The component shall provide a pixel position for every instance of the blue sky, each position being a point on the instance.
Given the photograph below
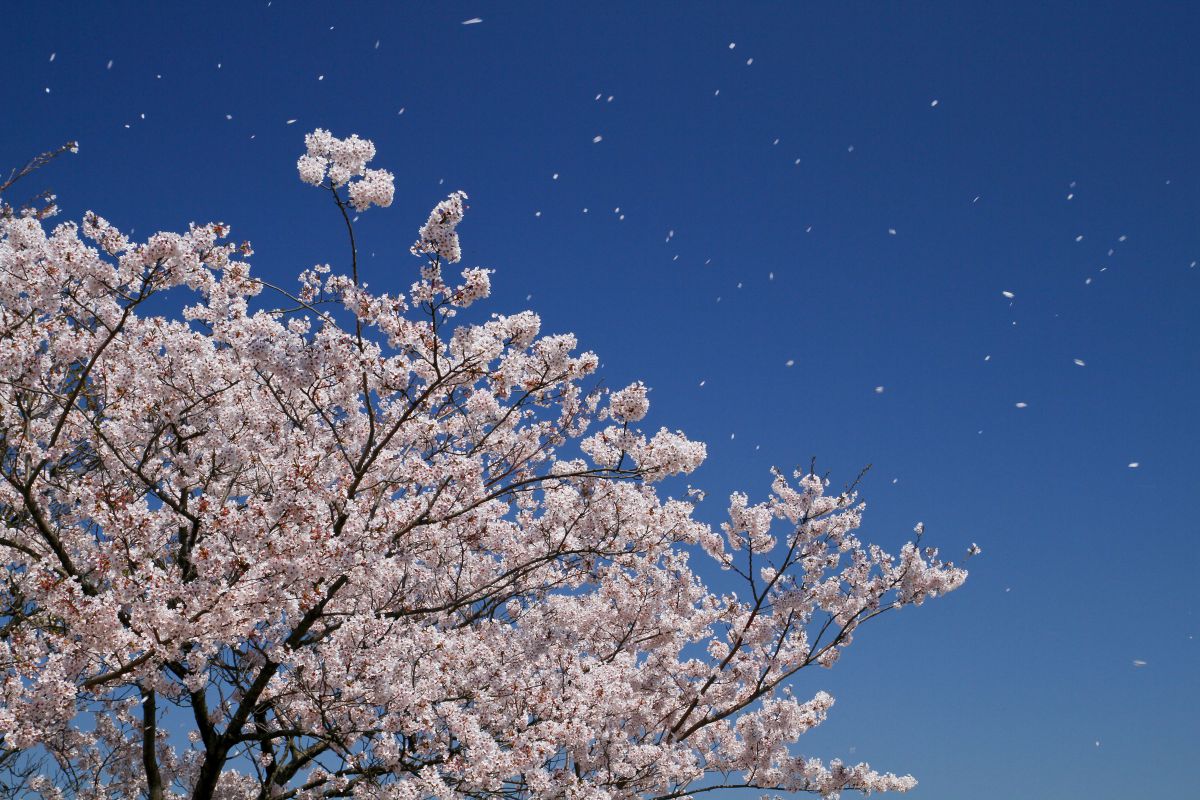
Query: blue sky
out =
(1052, 122)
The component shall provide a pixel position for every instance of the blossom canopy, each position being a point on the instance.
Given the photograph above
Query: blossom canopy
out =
(353, 547)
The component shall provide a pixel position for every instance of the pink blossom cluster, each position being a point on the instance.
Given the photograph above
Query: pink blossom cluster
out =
(341, 160)
(629, 404)
(378, 554)
(439, 236)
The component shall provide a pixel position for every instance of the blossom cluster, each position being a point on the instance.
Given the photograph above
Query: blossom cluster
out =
(342, 160)
(629, 404)
(438, 236)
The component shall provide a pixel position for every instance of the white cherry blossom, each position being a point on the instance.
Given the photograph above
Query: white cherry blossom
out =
(324, 542)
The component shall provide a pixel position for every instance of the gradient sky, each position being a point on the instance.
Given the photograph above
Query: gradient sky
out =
(1046, 150)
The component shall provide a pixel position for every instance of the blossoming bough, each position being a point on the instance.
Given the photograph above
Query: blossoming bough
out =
(395, 559)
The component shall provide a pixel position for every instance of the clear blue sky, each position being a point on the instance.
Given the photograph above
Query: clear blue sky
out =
(1053, 121)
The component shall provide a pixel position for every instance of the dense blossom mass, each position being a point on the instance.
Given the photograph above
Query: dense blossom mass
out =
(341, 160)
(343, 547)
(438, 236)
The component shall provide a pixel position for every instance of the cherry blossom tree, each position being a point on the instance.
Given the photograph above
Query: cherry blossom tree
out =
(330, 542)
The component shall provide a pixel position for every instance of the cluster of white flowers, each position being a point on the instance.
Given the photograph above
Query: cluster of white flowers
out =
(477, 284)
(99, 230)
(342, 160)
(437, 236)
(629, 404)
(669, 453)
(376, 188)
